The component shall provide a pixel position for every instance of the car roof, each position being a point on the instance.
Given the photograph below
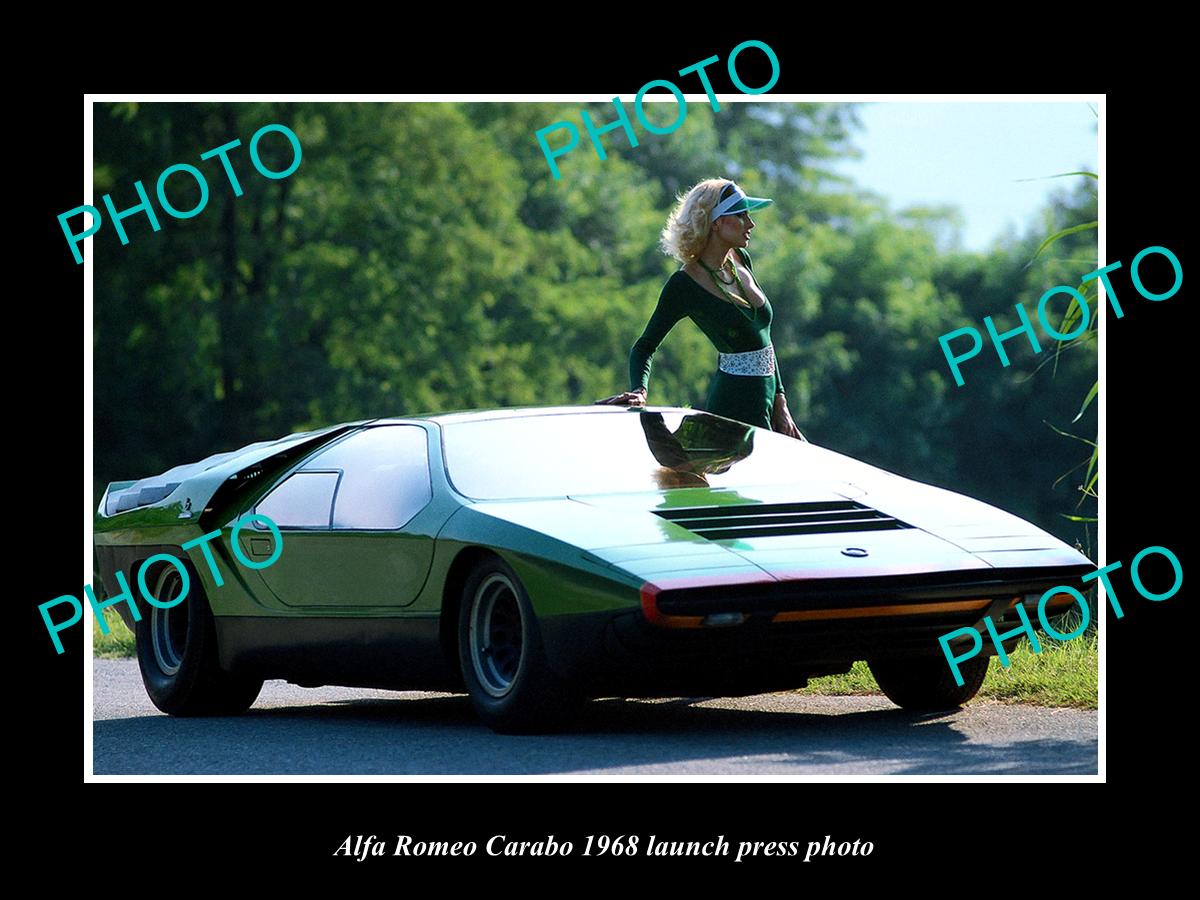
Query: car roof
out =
(157, 489)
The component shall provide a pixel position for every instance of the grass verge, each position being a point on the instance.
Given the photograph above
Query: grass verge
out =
(119, 642)
(1066, 674)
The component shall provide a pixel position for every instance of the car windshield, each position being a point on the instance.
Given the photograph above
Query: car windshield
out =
(600, 453)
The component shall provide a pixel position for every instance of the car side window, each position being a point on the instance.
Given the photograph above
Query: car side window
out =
(303, 500)
(384, 476)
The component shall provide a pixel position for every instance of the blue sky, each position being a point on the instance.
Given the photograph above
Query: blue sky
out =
(971, 155)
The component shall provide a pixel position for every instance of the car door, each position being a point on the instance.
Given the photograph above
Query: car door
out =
(350, 520)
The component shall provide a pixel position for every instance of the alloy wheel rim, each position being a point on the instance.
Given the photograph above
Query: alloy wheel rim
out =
(497, 635)
(169, 627)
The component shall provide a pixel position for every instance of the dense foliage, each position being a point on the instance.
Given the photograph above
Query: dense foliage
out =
(422, 259)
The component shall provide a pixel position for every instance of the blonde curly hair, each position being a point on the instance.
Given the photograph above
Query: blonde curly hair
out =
(687, 228)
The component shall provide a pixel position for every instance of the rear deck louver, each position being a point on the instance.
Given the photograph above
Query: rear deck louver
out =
(719, 523)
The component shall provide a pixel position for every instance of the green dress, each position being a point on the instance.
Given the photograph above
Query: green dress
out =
(746, 398)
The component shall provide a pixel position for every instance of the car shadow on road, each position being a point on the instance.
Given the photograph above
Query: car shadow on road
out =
(775, 735)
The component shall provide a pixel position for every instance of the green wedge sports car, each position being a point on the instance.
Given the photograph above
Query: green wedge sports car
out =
(537, 557)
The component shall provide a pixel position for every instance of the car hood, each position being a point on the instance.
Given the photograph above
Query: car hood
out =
(820, 529)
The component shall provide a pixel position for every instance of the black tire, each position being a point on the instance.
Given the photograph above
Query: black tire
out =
(503, 659)
(177, 653)
(928, 684)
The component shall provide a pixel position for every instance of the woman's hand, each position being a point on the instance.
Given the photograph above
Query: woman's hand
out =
(781, 419)
(628, 398)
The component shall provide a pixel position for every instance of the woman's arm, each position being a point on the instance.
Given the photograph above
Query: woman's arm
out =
(669, 310)
(781, 418)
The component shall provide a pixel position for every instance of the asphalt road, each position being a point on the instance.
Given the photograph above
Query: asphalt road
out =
(292, 730)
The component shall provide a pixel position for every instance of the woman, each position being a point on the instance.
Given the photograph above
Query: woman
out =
(708, 232)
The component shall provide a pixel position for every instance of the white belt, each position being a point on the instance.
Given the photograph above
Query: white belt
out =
(753, 362)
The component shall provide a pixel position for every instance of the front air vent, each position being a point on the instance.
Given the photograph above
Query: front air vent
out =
(721, 523)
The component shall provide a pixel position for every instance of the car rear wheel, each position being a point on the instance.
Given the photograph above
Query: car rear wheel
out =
(177, 653)
(928, 684)
(503, 660)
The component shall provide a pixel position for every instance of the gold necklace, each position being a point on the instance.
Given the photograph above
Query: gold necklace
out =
(721, 286)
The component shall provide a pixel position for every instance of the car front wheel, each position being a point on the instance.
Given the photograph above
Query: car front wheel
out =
(503, 660)
(928, 684)
(177, 653)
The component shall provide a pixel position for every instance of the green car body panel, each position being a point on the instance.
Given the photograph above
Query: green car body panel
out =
(612, 575)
